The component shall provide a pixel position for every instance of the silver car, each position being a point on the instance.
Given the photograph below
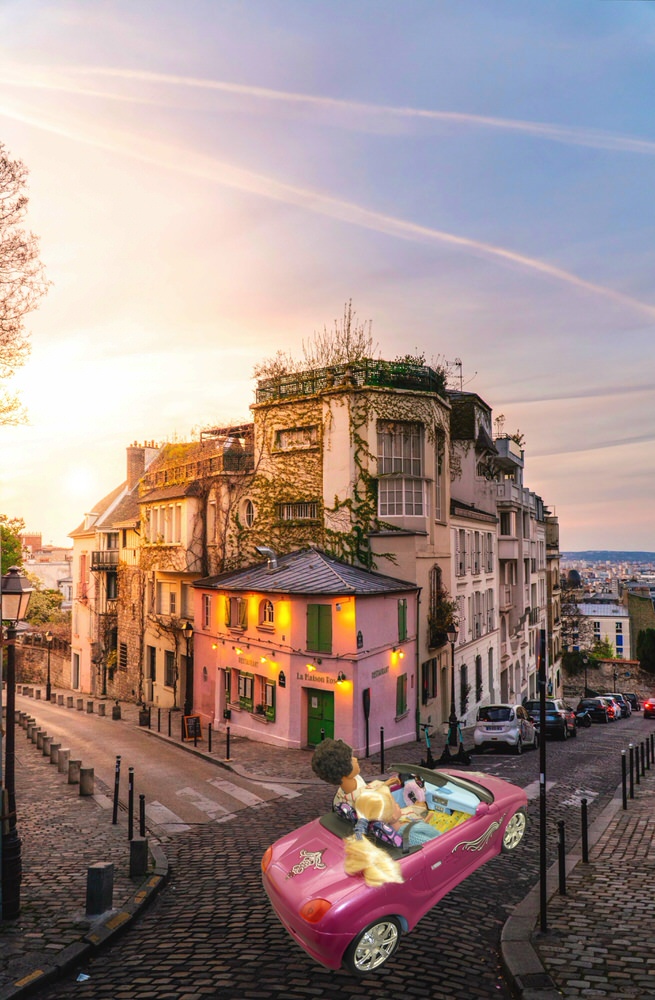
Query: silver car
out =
(504, 724)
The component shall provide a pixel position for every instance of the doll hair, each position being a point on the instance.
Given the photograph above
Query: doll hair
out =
(363, 857)
(332, 761)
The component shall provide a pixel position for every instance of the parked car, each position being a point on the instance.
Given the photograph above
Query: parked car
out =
(506, 724)
(337, 918)
(649, 708)
(634, 700)
(596, 708)
(624, 704)
(560, 718)
(614, 706)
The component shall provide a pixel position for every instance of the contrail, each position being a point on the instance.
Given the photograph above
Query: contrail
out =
(543, 130)
(161, 155)
(45, 78)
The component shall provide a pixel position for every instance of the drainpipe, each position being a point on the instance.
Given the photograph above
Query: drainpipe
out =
(418, 668)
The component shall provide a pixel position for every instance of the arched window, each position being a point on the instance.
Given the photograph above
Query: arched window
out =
(266, 613)
(248, 513)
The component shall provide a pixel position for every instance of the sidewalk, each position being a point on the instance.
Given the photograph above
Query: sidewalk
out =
(598, 942)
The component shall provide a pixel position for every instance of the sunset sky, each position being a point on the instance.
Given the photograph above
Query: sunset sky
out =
(212, 181)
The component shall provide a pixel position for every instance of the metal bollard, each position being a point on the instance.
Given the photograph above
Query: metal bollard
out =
(585, 831)
(209, 737)
(74, 768)
(561, 856)
(130, 803)
(169, 722)
(624, 779)
(62, 763)
(382, 749)
(227, 743)
(322, 735)
(637, 776)
(117, 781)
(643, 758)
(45, 746)
(142, 815)
(631, 752)
(159, 720)
(38, 736)
(87, 780)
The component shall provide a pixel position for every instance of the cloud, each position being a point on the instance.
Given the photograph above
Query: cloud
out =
(182, 160)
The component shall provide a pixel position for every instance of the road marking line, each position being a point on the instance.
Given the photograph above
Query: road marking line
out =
(212, 808)
(163, 817)
(238, 793)
(282, 790)
(532, 790)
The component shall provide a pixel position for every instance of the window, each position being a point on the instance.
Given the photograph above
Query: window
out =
(269, 700)
(236, 612)
(439, 511)
(152, 663)
(478, 678)
(489, 552)
(298, 511)
(319, 628)
(187, 601)
(112, 586)
(169, 668)
(619, 627)
(506, 522)
(402, 619)
(266, 613)
(206, 611)
(166, 598)
(398, 497)
(211, 521)
(248, 513)
(112, 540)
(401, 695)
(400, 455)
(246, 685)
(296, 437)
(429, 675)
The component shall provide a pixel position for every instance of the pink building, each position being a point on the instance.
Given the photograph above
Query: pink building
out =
(303, 645)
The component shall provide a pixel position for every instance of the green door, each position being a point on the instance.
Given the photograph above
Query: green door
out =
(320, 715)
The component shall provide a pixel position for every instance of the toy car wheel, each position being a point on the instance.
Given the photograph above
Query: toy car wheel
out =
(515, 831)
(373, 946)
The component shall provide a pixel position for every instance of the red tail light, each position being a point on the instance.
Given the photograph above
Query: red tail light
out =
(314, 910)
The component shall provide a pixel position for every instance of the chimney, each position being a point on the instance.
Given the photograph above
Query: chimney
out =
(136, 464)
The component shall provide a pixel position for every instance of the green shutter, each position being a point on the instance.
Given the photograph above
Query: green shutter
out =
(402, 619)
(401, 695)
(319, 628)
(243, 613)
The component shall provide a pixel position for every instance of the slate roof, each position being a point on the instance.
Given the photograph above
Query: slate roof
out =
(307, 571)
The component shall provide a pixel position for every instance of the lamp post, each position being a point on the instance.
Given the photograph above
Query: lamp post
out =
(16, 593)
(187, 632)
(452, 740)
(585, 663)
(48, 689)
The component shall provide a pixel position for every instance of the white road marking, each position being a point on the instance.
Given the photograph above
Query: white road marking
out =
(241, 794)
(282, 790)
(532, 790)
(163, 817)
(577, 797)
(212, 808)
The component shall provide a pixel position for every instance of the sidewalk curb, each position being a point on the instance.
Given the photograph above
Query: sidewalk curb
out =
(521, 962)
(105, 931)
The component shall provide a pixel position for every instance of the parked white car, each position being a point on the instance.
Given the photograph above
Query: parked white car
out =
(504, 724)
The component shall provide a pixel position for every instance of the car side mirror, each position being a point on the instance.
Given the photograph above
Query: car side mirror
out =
(482, 809)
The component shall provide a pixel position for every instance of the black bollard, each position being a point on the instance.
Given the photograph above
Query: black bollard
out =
(169, 722)
(561, 856)
(149, 716)
(130, 803)
(624, 779)
(322, 735)
(637, 777)
(647, 755)
(142, 815)
(209, 737)
(117, 781)
(227, 743)
(381, 749)
(631, 751)
(643, 759)
(585, 832)
(159, 720)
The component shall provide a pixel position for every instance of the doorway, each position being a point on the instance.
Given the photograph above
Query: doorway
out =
(320, 715)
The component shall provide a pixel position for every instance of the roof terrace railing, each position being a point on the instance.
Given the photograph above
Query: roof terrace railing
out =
(359, 374)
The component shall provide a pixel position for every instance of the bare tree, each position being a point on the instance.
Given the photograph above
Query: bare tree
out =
(22, 279)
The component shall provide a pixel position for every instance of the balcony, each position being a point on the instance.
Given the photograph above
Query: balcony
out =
(104, 561)
(508, 548)
(359, 374)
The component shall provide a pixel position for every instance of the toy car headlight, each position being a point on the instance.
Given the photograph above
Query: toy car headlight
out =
(266, 860)
(314, 910)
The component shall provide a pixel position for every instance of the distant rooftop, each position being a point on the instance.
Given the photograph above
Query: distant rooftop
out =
(369, 372)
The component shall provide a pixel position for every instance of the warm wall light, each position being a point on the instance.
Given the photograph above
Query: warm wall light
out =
(262, 659)
(237, 650)
(341, 677)
(310, 666)
(401, 655)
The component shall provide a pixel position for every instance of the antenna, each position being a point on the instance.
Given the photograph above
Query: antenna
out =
(457, 363)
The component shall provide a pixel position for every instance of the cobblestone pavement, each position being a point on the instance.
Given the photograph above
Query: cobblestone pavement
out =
(211, 933)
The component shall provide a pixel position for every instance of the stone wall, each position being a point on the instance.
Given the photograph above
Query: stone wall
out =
(609, 675)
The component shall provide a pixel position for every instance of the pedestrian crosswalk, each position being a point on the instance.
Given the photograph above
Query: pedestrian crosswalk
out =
(233, 796)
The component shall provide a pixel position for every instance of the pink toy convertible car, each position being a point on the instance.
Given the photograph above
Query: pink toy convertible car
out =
(337, 918)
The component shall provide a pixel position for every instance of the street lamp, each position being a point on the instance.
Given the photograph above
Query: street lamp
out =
(48, 689)
(585, 663)
(452, 740)
(187, 632)
(16, 593)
